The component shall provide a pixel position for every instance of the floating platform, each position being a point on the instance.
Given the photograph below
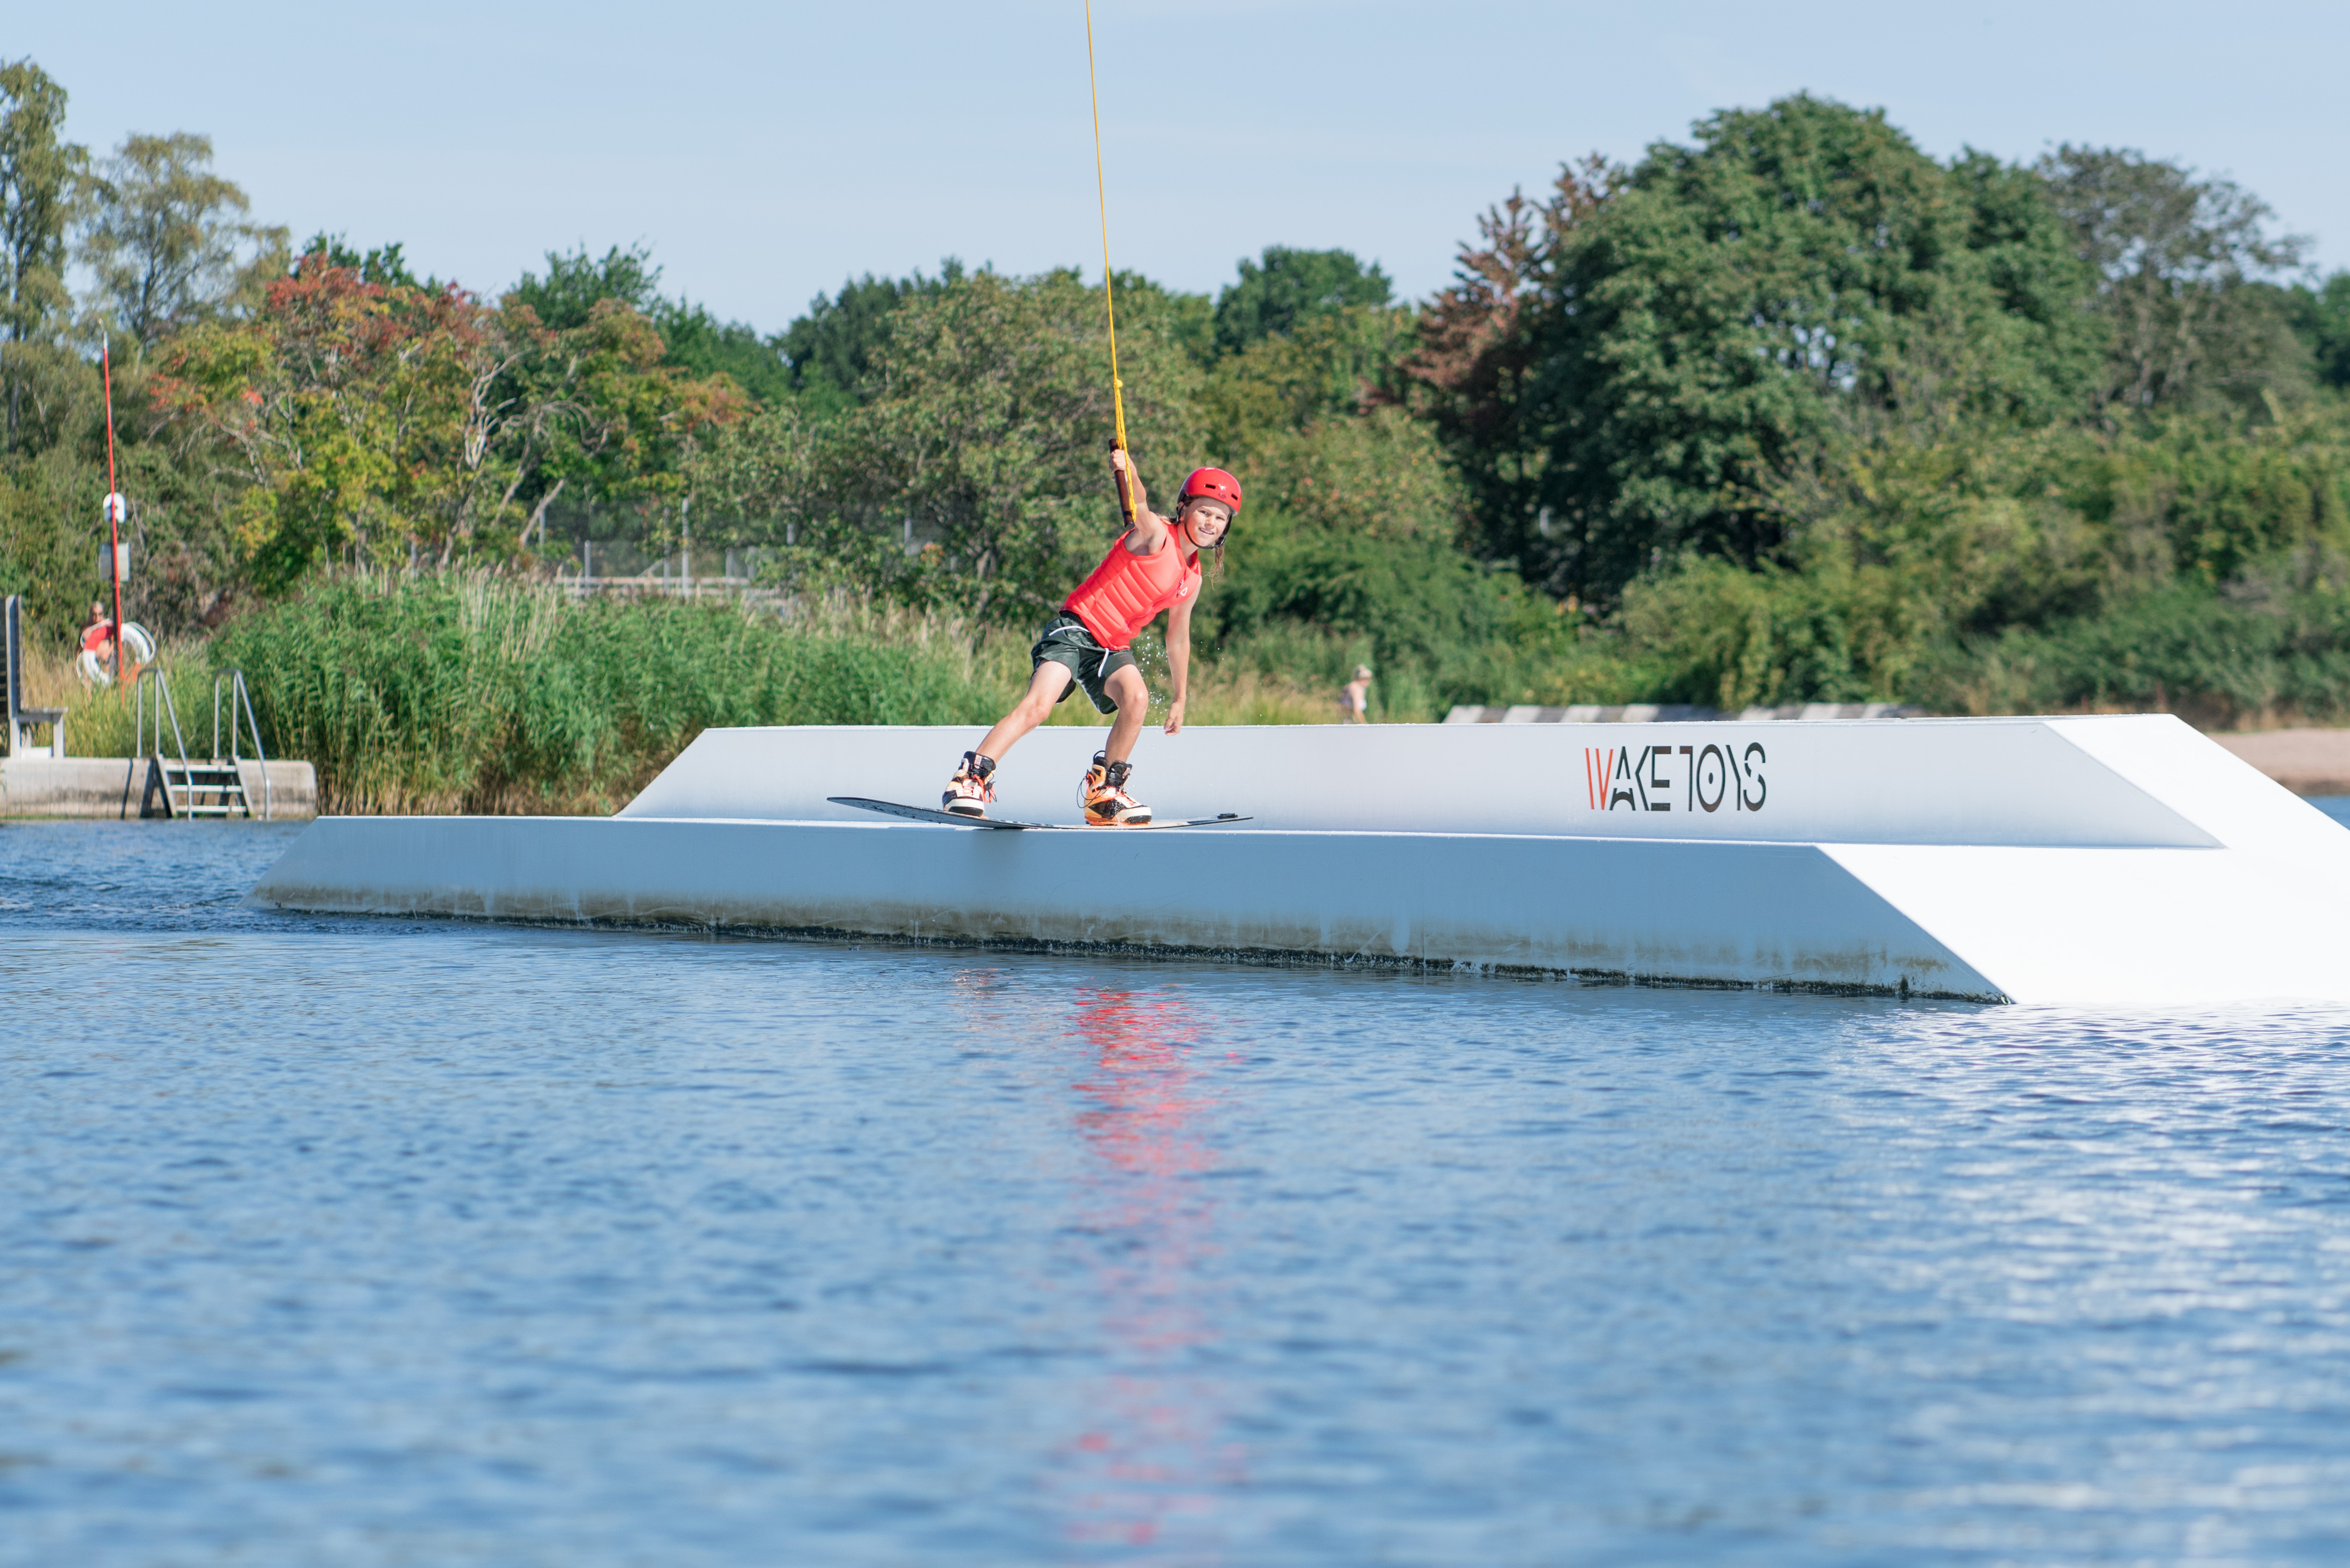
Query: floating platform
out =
(2110, 861)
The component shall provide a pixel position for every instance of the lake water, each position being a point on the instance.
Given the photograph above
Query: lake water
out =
(376, 1242)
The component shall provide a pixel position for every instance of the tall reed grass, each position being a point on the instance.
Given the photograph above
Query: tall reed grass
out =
(484, 694)
(100, 721)
(476, 694)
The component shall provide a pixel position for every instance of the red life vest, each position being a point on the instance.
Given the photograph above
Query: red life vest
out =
(1126, 590)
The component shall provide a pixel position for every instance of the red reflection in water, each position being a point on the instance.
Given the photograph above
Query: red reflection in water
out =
(1147, 1468)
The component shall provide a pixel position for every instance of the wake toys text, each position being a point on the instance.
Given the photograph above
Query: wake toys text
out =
(1704, 778)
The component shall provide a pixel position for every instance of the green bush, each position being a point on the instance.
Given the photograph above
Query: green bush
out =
(2218, 661)
(1309, 602)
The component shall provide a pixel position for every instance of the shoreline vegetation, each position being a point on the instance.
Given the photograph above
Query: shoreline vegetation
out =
(1786, 412)
(478, 693)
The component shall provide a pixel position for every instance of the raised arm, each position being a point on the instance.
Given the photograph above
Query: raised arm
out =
(1150, 530)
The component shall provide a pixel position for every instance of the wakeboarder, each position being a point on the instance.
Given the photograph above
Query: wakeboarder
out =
(1154, 566)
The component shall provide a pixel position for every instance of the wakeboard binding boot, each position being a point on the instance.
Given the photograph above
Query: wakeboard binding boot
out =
(972, 789)
(1103, 795)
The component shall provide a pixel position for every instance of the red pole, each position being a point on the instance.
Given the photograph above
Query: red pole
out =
(113, 517)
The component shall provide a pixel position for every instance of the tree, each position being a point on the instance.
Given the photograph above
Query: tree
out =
(1289, 288)
(385, 264)
(1697, 329)
(594, 406)
(831, 348)
(1332, 364)
(695, 341)
(41, 178)
(2176, 259)
(575, 283)
(395, 426)
(2322, 316)
(342, 401)
(603, 397)
(1471, 369)
(168, 240)
(983, 439)
(701, 345)
(1380, 475)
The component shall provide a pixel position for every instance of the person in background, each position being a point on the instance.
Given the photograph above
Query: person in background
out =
(1354, 698)
(98, 637)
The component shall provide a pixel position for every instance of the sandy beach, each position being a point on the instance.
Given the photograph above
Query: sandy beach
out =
(2306, 761)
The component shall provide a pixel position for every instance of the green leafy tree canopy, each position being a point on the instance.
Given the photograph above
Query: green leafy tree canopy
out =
(168, 240)
(1696, 327)
(384, 424)
(973, 472)
(385, 265)
(1287, 288)
(42, 177)
(831, 350)
(2174, 255)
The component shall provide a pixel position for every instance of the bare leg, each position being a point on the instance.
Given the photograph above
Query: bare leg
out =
(1132, 695)
(1045, 689)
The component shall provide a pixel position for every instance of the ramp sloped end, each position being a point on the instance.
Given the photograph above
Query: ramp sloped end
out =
(2119, 926)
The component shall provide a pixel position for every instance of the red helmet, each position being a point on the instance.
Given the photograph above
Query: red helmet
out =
(1211, 485)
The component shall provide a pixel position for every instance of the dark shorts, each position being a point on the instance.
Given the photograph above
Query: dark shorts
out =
(1064, 640)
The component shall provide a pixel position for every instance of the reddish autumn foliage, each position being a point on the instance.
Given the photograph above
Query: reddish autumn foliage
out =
(388, 424)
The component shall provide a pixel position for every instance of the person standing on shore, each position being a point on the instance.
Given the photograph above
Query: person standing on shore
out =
(1153, 566)
(1355, 697)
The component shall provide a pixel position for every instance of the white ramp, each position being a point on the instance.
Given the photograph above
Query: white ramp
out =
(2108, 861)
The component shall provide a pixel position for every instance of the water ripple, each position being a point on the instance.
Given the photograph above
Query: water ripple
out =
(356, 1242)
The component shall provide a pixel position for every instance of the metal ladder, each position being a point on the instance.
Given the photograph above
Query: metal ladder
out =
(210, 787)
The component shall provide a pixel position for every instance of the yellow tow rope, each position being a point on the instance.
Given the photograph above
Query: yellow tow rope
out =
(1110, 300)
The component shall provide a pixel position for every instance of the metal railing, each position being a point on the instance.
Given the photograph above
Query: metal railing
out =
(164, 707)
(229, 684)
(746, 590)
(239, 698)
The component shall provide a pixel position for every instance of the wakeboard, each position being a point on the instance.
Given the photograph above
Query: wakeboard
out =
(924, 813)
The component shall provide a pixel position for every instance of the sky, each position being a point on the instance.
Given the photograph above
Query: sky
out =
(765, 153)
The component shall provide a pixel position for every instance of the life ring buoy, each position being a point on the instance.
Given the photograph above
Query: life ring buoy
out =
(138, 647)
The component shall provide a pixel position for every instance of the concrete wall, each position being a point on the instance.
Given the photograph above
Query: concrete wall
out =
(1754, 913)
(125, 788)
(2110, 861)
